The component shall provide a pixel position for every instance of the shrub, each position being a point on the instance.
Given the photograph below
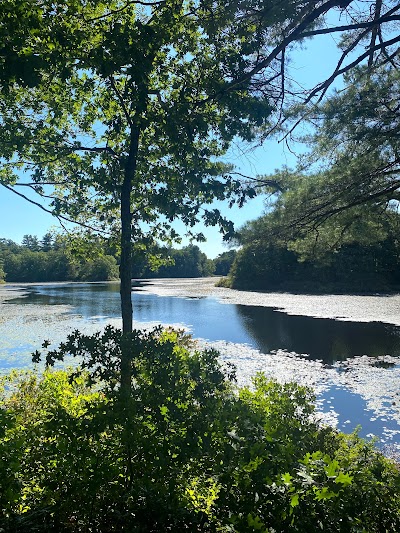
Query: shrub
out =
(186, 452)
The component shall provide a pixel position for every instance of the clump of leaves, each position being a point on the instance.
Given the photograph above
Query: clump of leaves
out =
(185, 452)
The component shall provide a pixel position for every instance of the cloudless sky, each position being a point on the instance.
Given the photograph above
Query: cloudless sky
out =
(18, 217)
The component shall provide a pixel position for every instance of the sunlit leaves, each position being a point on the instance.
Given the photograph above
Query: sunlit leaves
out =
(108, 66)
(187, 452)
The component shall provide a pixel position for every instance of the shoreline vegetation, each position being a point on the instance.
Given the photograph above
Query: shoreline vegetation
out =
(189, 451)
(313, 288)
(355, 269)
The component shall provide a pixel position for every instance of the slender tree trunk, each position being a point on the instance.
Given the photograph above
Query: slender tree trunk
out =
(126, 257)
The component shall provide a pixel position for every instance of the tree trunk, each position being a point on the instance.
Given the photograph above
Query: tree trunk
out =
(126, 258)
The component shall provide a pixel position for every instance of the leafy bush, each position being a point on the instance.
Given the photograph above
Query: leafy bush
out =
(186, 451)
(103, 268)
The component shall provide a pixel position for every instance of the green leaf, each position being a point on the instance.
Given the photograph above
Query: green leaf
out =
(331, 468)
(324, 494)
(287, 478)
(294, 501)
(344, 479)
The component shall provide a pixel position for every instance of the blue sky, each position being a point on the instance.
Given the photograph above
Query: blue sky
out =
(18, 217)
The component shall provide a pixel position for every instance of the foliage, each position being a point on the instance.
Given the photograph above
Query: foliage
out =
(263, 266)
(356, 139)
(100, 269)
(366, 262)
(80, 257)
(338, 212)
(135, 459)
(31, 242)
(166, 262)
(223, 262)
(186, 453)
(53, 259)
(187, 262)
(347, 186)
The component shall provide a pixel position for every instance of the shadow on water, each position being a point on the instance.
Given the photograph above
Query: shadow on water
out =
(260, 327)
(320, 338)
(86, 299)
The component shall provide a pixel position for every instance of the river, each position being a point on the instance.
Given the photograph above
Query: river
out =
(346, 347)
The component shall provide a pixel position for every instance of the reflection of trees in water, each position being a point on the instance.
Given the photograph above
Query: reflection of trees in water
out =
(88, 300)
(321, 338)
(261, 327)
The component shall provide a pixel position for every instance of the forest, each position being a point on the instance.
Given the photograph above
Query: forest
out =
(368, 262)
(56, 258)
(262, 262)
(51, 259)
(332, 223)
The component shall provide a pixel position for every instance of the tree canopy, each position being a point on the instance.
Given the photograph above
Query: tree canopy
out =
(56, 258)
(353, 159)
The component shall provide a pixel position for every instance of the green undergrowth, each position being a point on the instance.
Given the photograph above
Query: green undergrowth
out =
(187, 452)
(225, 282)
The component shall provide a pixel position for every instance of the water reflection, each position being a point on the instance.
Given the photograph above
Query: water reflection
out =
(321, 338)
(86, 299)
(352, 412)
(263, 328)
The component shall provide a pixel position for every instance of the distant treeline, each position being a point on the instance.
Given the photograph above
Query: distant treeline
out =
(51, 259)
(187, 262)
(354, 268)
(259, 265)
(57, 258)
(369, 263)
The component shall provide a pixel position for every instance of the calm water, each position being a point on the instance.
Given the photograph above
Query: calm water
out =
(320, 352)
(262, 328)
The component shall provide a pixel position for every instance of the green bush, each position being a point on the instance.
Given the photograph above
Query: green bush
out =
(186, 452)
(103, 268)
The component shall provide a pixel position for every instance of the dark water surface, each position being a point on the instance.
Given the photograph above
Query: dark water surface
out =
(262, 328)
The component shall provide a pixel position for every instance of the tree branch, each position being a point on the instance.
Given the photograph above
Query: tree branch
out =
(60, 218)
(121, 101)
(338, 72)
(295, 35)
(128, 4)
(100, 149)
(40, 183)
(375, 31)
(323, 212)
(357, 26)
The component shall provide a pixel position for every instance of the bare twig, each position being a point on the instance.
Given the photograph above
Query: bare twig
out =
(121, 101)
(375, 31)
